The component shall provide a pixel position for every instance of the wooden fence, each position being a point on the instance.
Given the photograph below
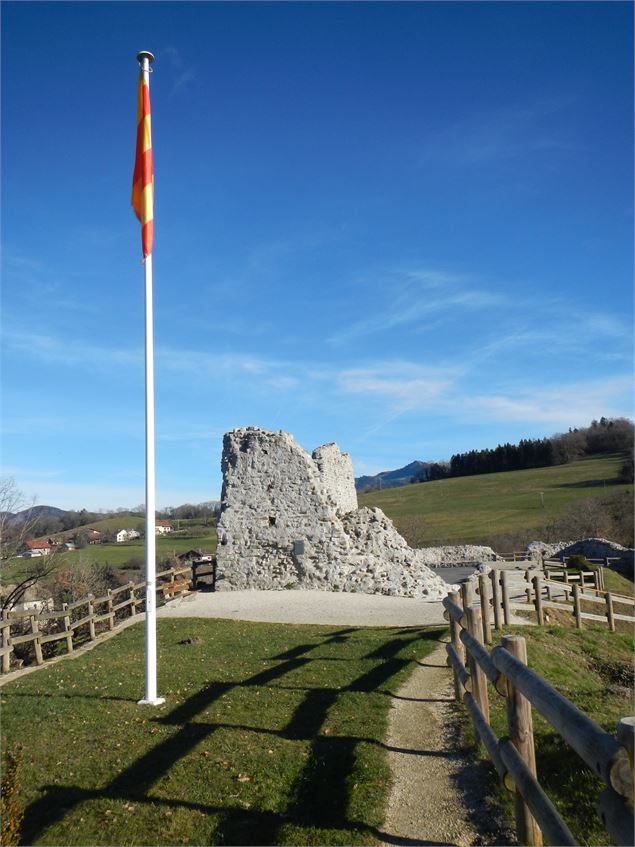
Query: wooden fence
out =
(505, 668)
(78, 621)
(583, 587)
(516, 556)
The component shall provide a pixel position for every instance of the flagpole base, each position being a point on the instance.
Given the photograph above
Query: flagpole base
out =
(158, 701)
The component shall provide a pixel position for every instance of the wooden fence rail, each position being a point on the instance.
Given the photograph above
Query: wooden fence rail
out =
(82, 614)
(505, 668)
(541, 592)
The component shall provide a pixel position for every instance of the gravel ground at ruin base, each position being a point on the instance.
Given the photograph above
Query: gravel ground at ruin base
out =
(313, 607)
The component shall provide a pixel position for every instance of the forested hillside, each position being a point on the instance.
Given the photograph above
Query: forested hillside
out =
(603, 437)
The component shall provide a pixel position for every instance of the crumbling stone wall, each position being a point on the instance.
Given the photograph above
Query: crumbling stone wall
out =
(289, 520)
(336, 472)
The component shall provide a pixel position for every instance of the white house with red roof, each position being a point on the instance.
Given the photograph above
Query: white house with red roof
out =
(162, 527)
(35, 547)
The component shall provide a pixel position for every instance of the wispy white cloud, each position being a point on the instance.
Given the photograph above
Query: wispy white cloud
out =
(37, 283)
(69, 351)
(404, 384)
(283, 383)
(561, 405)
(402, 297)
(183, 74)
(515, 133)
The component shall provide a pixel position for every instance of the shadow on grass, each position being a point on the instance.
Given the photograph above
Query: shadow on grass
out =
(320, 796)
(591, 483)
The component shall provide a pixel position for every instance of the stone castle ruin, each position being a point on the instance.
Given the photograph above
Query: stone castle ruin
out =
(290, 520)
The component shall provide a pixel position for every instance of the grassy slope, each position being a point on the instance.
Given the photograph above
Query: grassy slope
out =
(594, 669)
(271, 734)
(125, 520)
(469, 509)
(117, 554)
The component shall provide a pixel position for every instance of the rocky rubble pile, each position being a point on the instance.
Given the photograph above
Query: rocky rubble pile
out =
(592, 548)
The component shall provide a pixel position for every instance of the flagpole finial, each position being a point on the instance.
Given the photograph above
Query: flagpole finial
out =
(145, 54)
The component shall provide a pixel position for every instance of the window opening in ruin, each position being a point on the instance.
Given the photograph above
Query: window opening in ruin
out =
(272, 521)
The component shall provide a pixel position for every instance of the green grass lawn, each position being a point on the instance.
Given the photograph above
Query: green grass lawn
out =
(271, 734)
(472, 508)
(593, 668)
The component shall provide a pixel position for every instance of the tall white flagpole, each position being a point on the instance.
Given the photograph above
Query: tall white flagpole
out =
(145, 59)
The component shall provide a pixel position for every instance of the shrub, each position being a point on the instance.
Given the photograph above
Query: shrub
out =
(580, 563)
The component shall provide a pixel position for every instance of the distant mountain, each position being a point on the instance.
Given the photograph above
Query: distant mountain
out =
(35, 513)
(392, 479)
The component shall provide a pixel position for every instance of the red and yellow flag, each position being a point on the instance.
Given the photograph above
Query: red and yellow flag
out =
(143, 176)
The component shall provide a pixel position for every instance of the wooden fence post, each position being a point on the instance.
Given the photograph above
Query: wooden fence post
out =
(496, 603)
(479, 680)
(455, 629)
(67, 628)
(37, 643)
(565, 575)
(528, 589)
(626, 737)
(467, 593)
(505, 592)
(521, 733)
(6, 642)
(111, 614)
(91, 617)
(599, 576)
(577, 611)
(133, 600)
(540, 617)
(609, 611)
(581, 581)
(485, 613)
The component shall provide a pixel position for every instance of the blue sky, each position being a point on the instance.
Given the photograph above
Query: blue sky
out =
(406, 228)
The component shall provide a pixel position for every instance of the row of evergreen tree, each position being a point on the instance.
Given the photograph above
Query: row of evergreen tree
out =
(608, 435)
(528, 453)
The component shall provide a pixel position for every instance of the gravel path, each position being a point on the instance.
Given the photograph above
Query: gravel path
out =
(438, 795)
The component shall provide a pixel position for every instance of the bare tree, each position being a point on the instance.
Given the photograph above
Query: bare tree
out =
(14, 531)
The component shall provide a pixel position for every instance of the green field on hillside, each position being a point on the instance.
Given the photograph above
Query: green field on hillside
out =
(123, 520)
(472, 509)
(270, 734)
(115, 555)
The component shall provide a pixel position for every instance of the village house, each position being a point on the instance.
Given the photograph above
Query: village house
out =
(35, 547)
(162, 527)
(126, 535)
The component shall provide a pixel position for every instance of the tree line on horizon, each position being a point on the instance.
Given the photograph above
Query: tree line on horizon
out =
(608, 435)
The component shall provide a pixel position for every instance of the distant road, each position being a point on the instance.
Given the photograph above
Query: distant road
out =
(452, 575)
